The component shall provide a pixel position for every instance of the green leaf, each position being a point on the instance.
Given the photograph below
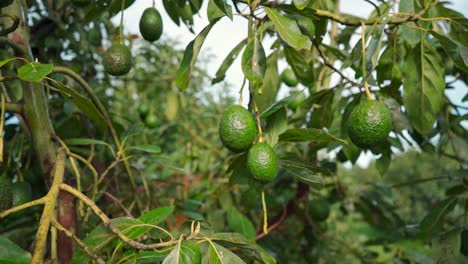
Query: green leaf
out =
(434, 220)
(185, 252)
(308, 134)
(143, 257)
(456, 50)
(322, 115)
(446, 248)
(116, 6)
(10, 253)
(301, 4)
(223, 6)
(388, 67)
(288, 30)
(254, 61)
(190, 57)
(230, 58)
(220, 255)
(304, 172)
(157, 215)
(240, 223)
(100, 237)
(302, 68)
(271, 83)
(407, 31)
(3, 62)
(423, 86)
(172, 10)
(34, 71)
(84, 104)
(248, 247)
(278, 105)
(148, 148)
(276, 124)
(213, 11)
(86, 141)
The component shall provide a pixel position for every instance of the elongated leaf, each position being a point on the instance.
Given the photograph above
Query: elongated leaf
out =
(220, 255)
(84, 104)
(172, 10)
(446, 248)
(288, 30)
(254, 61)
(190, 57)
(276, 124)
(457, 51)
(302, 69)
(271, 83)
(185, 252)
(308, 134)
(225, 7)
(435, 218)
(240, 223)
(305, 173)
(230, 58)
(143, 257)
(213, 11)
(86, 141)
(10, 253)
(3, 62)
(278, 105)
(148, 148)
(248, 247)
(34, 71)
(423, 86)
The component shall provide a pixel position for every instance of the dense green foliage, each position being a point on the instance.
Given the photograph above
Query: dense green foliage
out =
(145, 146)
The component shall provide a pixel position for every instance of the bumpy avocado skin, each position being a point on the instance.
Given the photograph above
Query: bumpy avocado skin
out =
(369, 124)
(6, 195)
(151, 24)
(237, 129)
(117, 60)
(262, 162)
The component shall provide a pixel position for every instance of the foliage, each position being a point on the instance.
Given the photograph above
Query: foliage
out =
(137, 173)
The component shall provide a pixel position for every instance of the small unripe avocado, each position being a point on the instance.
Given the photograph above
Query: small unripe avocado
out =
(6, 195)
(237, 129)
(369, 124)
(151, 120)
(319, 209)
(151, 24)
(297, 101)
(262, 162)
(289, 77)
(117, 60)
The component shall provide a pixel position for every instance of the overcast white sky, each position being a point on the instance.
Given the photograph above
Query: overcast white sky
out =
(226, 34)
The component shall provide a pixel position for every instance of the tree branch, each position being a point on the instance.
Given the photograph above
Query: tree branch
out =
(16, 23)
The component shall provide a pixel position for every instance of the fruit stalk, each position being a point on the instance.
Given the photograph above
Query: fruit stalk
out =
(363, 42)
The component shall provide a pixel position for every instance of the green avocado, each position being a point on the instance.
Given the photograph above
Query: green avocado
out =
(237, 129)
(262, 162)
(151, 24)
(117, 60)
(369, 124)
(6, 195)
(289, 77)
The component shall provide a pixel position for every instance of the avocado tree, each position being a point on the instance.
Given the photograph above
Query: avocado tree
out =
(112, 152)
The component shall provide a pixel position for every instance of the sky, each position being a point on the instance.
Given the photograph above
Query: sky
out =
(226, 34)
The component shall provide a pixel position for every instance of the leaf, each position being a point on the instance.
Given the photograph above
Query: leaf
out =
(223, 6)
(143, 257)
(288, 30)
(276, 124)
(100, 237)
(423, 86)
(407, 32)
(230, 58)
(220, 255)
(456, 50)
(116, 6)
(302, 69)
(185, 252)
(3, 62)
(271, 83)
(254, 61)
(172, 10)
(303, 172)
(240, 223)
(435, 218)
(147, 148)
(301, 4)
(322, 115)
(34, 71)
(10, 253)
(278, 105)
(86, 141)
(248, 247)
(84, 104)
(190, 57)
(309, 134)
(446, 248)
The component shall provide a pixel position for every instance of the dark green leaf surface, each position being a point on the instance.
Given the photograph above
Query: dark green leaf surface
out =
(230, 58)
(308, 134)
(186, 252)
(434, 220)
(10, 253)
(240, 223)
(288, 30)
(254, 61)
(457, 51)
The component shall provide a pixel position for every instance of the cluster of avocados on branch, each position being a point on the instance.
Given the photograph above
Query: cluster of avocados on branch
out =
(237, 131)
(369, 124)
